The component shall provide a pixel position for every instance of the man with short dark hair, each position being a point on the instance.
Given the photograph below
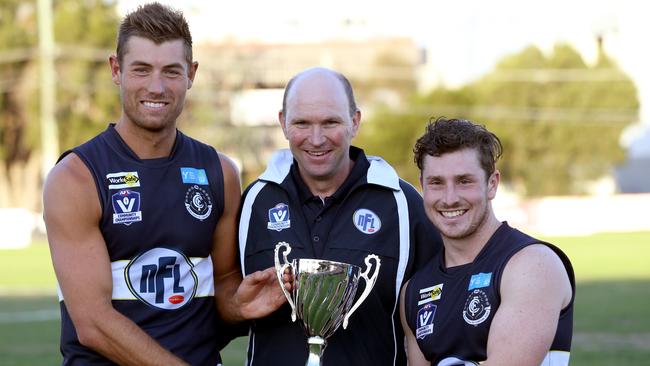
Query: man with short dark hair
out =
(494, 295)
(329, 200)
(141, 219)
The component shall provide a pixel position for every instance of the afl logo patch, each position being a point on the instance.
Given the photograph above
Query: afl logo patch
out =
(198, 202)
(126, 207)
(477, 308)
(366, 221)
(162, 278)
(279, 217)
(425, 321)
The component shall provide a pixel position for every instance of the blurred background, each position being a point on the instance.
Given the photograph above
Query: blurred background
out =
(564, 84)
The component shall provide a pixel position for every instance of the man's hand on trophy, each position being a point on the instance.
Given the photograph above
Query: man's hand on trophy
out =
(287, 279)
(259, 294)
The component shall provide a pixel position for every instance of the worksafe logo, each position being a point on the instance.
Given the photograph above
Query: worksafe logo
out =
(366, 221)
(122, 180)
(126, 207)
(163, 278)
(430, 294)
(279, 217)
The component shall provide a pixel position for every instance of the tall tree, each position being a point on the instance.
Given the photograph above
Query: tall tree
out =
(559, 119)
(84, 33)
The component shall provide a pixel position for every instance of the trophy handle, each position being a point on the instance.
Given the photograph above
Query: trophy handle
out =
(279, 271)
(370, 283)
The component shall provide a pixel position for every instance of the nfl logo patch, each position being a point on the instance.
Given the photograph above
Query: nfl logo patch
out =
(279, 217)
(366, 221)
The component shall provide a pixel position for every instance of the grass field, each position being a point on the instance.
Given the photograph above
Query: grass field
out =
(611, 326)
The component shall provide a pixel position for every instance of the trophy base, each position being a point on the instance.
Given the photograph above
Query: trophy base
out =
(316, 346)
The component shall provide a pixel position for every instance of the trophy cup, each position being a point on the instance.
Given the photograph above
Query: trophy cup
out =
(322, 296)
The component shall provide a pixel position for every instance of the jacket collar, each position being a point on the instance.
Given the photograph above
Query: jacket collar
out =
(379, 173)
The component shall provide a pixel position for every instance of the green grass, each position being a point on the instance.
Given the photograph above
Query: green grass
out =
(27, 270)
(611, 326)
(25, 342)
(608, 256)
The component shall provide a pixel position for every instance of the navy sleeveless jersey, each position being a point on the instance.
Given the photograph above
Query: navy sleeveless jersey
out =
(158, 221)
(450, 311)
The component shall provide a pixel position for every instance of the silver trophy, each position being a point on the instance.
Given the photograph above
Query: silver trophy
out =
(322, 296)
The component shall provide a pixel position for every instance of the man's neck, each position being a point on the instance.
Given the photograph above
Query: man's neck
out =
(327, 187)
(147, 144)
(465, 250)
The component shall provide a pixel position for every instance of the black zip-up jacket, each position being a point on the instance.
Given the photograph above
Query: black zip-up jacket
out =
(381, 214)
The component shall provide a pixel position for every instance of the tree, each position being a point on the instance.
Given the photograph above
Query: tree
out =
(84, 32)
(558, 119)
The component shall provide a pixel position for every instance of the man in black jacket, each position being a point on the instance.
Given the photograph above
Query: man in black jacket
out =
(329, 200)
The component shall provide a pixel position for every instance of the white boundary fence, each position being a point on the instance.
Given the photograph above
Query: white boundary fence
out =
(573, 216)
(552, 216)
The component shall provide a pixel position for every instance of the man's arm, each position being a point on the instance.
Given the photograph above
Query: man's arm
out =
(534, 289)
(413, 353)
(72, 214)
(259, 293)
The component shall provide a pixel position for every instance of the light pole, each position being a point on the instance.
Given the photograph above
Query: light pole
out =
(49, 133)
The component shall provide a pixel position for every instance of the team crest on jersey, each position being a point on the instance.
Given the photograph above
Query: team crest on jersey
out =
(430, 294)
(453, 361)
(425, 321)
(479, 280)
(163, 278)
(477, 307)
(366, 221)
(126, 207)
(198, 202)
(279, 217)
(194, 176)
(123, 180)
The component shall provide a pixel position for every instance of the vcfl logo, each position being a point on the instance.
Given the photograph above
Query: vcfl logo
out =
(126, 204)
(153, 278)
(366, 221)
(279, 215)
(425, 317)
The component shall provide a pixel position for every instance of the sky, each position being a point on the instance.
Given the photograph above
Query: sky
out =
(466, 37)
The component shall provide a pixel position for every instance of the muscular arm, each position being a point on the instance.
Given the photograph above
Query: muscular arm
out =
(534, 289)
(83, 269)
(258, 294)
(413, 353)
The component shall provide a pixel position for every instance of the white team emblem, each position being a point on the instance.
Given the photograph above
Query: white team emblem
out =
(198, 202)
(477, 308)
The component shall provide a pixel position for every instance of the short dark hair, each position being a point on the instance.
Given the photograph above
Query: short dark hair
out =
(156, 22)
(449, 135)
(347, 86)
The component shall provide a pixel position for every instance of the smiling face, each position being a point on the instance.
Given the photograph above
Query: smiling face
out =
(319, 128)
(457, 194)
(153, 79)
